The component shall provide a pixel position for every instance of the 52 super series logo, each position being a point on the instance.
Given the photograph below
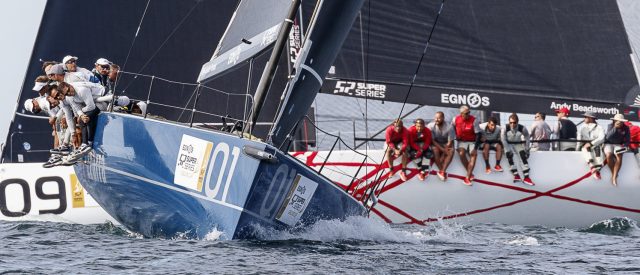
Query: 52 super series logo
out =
(360, 89)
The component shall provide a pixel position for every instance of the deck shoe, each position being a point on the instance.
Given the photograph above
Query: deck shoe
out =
(61, 150)
(421, 176)
(516, 178)
(392, 173)
(596, 175)
(487, 170)
(528, 181)
(467, 182)
(442, 176)
(403, 176)
(54, 160)
(498, 168)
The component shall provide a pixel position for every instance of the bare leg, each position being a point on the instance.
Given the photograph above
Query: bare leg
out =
(485, 153)
(472, 162)
(404, 160)
(616, 169)
(389, 155)
(498, 153)
(448, 158)
(610, 161)
(463, 157)
(439, 157)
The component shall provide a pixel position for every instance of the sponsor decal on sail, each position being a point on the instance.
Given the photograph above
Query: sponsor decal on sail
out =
(474, 100)
(574, 107)
(360, 89)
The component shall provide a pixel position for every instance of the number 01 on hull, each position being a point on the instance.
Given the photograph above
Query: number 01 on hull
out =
(163, 179)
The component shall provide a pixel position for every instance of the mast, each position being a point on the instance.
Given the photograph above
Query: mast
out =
(272, 64)
(330, 25)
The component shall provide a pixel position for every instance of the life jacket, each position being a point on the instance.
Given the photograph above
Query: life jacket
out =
(464, 128)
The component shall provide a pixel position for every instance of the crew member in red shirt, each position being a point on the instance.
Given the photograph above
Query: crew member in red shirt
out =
(420, 147)
(396, 139)
(635, 140)
(467, 131)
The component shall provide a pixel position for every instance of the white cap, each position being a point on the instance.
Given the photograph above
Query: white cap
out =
(619, 117)
(123, 100)
(38, 86)
(56, 69)
(44, 103)
(102, 61)
(67, 58)
(28, 105)
(143, 107)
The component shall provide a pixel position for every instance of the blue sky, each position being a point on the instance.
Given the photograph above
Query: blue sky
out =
(20, 22)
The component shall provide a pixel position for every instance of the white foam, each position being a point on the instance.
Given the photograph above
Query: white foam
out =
(214, 235)
(523, 240)
(353, 228)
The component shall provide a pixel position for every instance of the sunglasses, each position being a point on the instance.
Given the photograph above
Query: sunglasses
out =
(105, 67)
(513, 122)
(71, 62)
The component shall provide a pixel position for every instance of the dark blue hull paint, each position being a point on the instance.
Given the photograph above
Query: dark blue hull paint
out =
(132, 174)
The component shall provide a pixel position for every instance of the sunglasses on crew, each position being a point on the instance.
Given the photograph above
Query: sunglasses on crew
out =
(71, 62)
(105, 67)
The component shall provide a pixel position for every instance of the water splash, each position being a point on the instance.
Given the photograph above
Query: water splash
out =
(351, 229)
(214, 235)
(619, 226)
(523, 240)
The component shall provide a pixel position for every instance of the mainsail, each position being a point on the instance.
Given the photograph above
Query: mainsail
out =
(489, 55)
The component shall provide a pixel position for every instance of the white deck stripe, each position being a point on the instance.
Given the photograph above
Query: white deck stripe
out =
(170, 187)
(184, 192)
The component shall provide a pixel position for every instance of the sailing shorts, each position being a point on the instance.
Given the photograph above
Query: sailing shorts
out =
(614, 148)
(468, 146)
(428, 154)
(492, 144)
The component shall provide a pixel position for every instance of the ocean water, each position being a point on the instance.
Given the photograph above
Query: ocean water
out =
(355, 246)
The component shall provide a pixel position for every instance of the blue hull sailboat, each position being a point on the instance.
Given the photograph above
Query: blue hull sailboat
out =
(164, 179)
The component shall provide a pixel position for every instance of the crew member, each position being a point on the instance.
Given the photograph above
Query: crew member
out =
(617, 140)
(396, 139)
(565, 130)
(467, 131)
(590, 140)
(540, 131)
(516, 139)
(490, 140)
(420, 147)
(442, 140)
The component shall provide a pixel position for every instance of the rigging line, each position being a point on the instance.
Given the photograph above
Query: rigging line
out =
(424, 52)
(135, 36)
(165, 41)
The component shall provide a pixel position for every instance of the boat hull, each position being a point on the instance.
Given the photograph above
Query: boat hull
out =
(29, 192)
(163, 179)
(565, 194)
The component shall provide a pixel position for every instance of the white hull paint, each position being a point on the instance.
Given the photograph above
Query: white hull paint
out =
(30, 192)
(564, 195)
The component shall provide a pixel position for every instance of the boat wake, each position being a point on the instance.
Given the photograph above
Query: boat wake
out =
(618, 226)
(363, 230)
